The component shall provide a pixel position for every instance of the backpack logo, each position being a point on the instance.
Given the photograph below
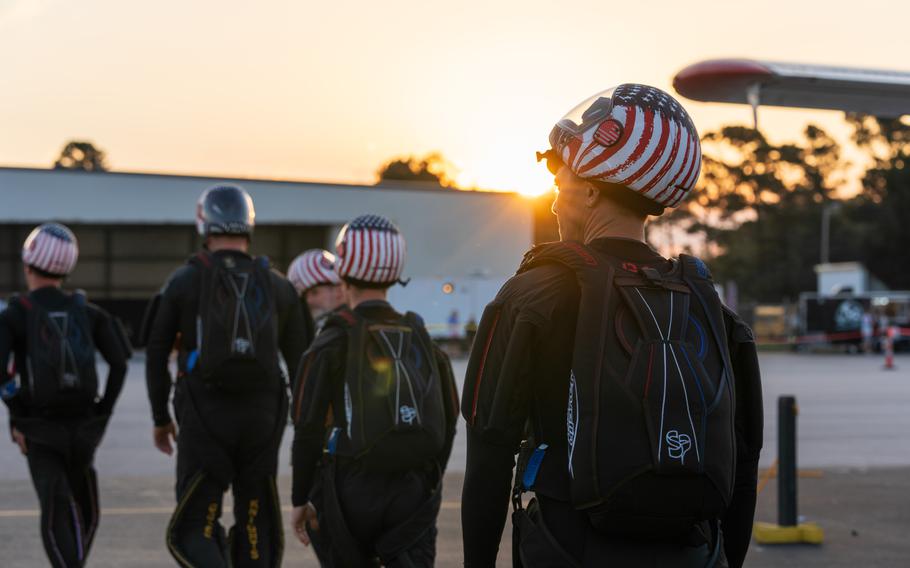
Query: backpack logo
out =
(678, 445)
(408, 414)
(348, 408)
(572, 420)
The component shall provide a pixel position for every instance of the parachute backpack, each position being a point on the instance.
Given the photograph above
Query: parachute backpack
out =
(60, 354)
(236, 327)
(393, 416)
(650, 409)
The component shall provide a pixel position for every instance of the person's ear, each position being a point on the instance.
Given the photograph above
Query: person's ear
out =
(592, 195)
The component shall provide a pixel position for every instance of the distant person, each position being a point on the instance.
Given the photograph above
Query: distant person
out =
(313, 275)
(867, 330)
(232, 314)
(470, 331)
(56, 416)
(884, 322)
(615, 366)
(454, 322)
(375, 411)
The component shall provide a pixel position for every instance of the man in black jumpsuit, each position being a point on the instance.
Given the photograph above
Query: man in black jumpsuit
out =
(613, 168)
(357, 509)
(59, 438)
(313, 275)
(232, 418)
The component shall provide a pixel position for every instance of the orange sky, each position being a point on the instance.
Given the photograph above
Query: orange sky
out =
(291, 89)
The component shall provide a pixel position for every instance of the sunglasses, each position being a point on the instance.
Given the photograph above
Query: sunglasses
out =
(553, 160)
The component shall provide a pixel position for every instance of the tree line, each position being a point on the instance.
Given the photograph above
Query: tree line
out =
(760, 205)
(758, 208)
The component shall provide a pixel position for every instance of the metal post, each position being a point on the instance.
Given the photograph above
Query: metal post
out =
(889, 348)
(786, 455)
(753, 95)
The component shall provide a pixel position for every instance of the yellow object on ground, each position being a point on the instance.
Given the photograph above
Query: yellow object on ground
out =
(805, 533)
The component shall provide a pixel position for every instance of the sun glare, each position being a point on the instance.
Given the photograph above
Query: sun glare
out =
(532, 181)
(535, 191)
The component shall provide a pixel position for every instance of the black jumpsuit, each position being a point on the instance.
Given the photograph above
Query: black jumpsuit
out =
(376, 505)
(225, 438)
(61, 443)
(526, 338)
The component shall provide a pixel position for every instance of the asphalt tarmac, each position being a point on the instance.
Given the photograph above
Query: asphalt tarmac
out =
(853, 426)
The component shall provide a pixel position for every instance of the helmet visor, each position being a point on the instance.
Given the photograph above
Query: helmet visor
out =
(589, 112)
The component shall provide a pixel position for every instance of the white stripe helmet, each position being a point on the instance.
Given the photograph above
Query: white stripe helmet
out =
(51, 248)
(371, 252)
(634, 136)
(313, 268)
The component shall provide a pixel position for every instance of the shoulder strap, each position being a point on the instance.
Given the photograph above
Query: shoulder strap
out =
(344, 318)
(22, 300)
(569, 253)
(631, 274)
(580, 258)
(414, 320)
(696, 274)
(202, 259)
(79, 298)
(695, 267)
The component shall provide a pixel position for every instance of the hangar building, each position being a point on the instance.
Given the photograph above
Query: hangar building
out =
(135, 229)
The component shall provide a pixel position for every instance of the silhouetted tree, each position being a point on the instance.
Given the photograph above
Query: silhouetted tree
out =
(81, 155)
(878, 220)
(432, 168)
(759, 205)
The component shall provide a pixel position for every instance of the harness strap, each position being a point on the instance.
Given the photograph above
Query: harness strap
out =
(526, 470)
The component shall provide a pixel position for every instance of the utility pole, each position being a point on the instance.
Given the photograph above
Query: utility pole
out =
(828, 208)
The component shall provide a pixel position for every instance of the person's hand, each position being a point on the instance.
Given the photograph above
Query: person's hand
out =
(19, 438)
(163, 436)
(303, 519)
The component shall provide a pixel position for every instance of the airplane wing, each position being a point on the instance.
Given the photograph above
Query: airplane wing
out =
(870, 91)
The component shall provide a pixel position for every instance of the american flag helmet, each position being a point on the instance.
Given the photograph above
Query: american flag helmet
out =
(51, 248)
(635, 136)
(312, 268)
(371, 251)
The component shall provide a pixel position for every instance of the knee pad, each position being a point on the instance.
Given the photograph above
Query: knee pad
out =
(195, 537)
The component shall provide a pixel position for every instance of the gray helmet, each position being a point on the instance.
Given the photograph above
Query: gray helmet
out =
(225, 210)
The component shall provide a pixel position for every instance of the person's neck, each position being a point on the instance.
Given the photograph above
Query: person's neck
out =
(357, 296)
(238, 244)
(43, 283)
(599, 227)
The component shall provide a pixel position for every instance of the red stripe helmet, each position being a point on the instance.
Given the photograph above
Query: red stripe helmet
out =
(313, 268)
(635, 136)
(51, 248)
(371, 252)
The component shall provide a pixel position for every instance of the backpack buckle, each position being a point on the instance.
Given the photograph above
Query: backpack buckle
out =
(331, 447)
(652, 275)
(526, 474)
